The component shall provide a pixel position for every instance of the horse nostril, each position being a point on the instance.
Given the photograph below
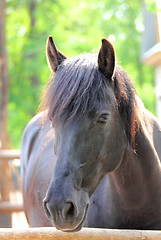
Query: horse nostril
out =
(53, 213)
(70, 212)
(45, 202)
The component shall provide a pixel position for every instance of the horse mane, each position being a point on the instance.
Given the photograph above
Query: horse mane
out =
(78, 86)
(127, 103)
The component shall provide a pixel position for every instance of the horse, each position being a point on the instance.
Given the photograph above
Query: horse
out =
(91, 156)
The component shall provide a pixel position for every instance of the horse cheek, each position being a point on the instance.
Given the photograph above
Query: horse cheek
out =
(114, 148)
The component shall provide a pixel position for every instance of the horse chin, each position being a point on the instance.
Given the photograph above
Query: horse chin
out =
(76, 229)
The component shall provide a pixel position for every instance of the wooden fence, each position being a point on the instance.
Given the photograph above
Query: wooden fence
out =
(84, 234)
(5, 205)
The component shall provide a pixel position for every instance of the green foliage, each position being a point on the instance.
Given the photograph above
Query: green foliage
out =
(153, 5)
(77, 26)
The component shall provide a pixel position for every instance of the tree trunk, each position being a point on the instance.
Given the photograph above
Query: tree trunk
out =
(32, 9)
(3, 78)
(5, 219)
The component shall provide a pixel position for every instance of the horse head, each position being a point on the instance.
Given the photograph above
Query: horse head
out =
(89, 131)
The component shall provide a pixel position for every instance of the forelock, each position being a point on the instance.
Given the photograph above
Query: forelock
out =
(77, 87)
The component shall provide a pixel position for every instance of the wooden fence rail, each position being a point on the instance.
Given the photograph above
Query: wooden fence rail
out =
(84, 234)
(9, 207)
(9, 154)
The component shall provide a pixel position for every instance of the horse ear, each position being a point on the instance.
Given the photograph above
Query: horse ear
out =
(106, 58)
(54, 56)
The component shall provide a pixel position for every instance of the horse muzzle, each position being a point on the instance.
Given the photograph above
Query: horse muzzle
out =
(67, 215)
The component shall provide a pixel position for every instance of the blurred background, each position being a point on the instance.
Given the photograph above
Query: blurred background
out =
(133, 27)
(76, 26)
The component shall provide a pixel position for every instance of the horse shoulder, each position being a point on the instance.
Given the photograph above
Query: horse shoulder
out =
(29, 138)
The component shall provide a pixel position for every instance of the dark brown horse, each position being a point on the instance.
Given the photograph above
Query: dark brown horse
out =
(92, 157)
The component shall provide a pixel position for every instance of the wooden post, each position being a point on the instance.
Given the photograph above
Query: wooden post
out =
(5, 219)
(7, 207)
(84, 234)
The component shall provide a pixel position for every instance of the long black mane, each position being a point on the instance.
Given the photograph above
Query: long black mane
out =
(78, 86)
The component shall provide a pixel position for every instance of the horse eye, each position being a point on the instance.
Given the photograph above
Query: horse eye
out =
(102, 119)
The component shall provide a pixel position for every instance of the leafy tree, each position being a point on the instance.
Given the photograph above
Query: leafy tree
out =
(77, 26)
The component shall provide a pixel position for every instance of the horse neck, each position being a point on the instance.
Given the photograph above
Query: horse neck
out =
(138, 178)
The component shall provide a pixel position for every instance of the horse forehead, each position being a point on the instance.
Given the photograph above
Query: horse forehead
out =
(73, 127)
